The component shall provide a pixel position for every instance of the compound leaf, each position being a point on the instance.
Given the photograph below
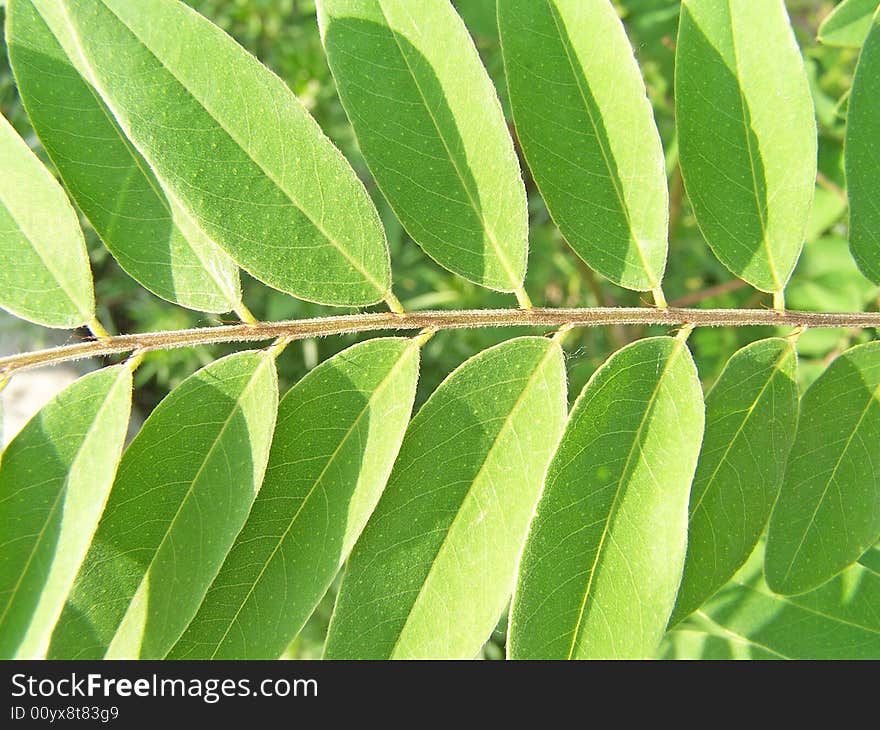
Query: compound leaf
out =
(54, 480)
(184, 488)
(747, 134)
(828, 512)
(339, 431)
(433, 570)
(588, 133)
(431, 129)
(603, 558)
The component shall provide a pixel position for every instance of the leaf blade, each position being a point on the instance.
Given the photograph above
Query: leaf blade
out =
(606, 188)
(256, 173)
(747, 135)
(440, 527)
(848, 24)
(431, 129)
(54, 479)
(828, 513)
(602, 478)
(146, 231)
(44, 268)
(862, 157)
(242, 616)
(157, 548)
(751, 418)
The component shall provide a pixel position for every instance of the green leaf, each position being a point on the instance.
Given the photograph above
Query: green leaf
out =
(431, 129)
(148, 233)
(252, 167)
(871, 560)
(44, 268)
(747, 134)
(848, 24)
(828, 512)
(339, 431)
(603, 558)
(751, 418)
(746, 620)
(588, 133)
(54, 480)
(863, 157)
(435, 565)
(182, 493)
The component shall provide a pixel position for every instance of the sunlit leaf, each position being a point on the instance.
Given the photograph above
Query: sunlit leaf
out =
(54, 480)
(588, 133)
(44, 269)
(604, 555)
(848, 24)
(431, 129)
(233, 144)
(828, 512)
(182, 493)
(339, 430)
(747, 134)
(434, 568)
(863, 157)
(150, 235)
(751, 418)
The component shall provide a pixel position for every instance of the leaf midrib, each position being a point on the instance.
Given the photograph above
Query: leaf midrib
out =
(624, 478)
(530, 382)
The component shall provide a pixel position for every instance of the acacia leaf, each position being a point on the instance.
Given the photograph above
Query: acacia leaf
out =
(146, 230)
(339, 430)
(182, 493)
(863, 157)
(431, 129)
(828, 512)
(848, 24)
(54, 479)
(746, 620)
(586, 126)
(434, 567)
(604, 554)
(751, 418)
(747, 134)
(252, 167)
(44, 268)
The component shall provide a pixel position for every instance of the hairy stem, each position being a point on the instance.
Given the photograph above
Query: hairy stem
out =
(436, 320)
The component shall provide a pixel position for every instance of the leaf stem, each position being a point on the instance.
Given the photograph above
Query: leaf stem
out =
(245, 314)
(659, 298)
(440, 320)
(779, 300)
(394, 303)
(97, 329)
(525, 303)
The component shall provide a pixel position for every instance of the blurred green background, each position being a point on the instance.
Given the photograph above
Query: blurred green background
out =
(284, 35)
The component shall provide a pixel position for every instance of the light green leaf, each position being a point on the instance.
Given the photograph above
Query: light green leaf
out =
(603, 558)
(828, 512)
(251, 166)
(183, 491)
(431, 129)
(151, 236)
(871, 560)
(435, 565)
(747, 134)
(751, 418)
(848, 24)
(746, 620)
(863, 157)
(54, 480)
(339, 431)
(588, 133)
(44, 268)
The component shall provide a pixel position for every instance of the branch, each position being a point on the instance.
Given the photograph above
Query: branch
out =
(439, 320)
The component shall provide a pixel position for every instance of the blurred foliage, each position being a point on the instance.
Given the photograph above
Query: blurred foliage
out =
(284, 35)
